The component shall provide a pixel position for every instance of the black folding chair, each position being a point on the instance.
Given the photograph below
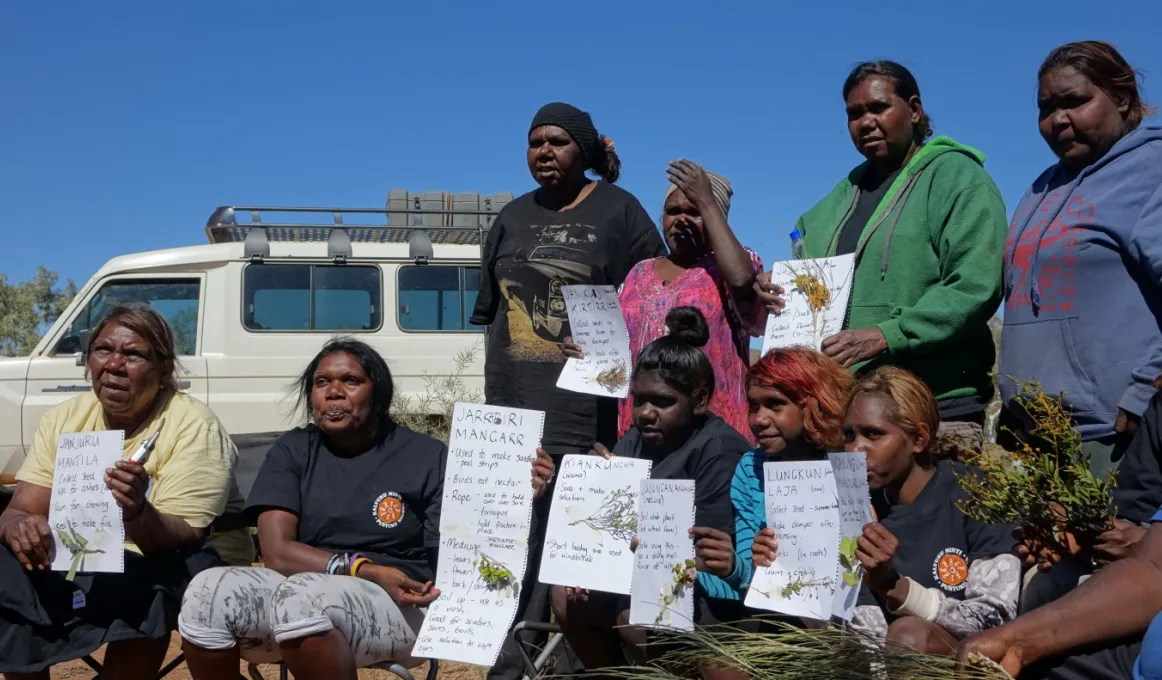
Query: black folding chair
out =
(533, 666)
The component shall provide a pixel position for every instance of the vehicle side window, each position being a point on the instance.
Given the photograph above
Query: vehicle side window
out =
(437, 297)
(311, 297)
(175, 299)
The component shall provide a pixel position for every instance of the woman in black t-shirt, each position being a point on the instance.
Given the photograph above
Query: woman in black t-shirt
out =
(931, 575)
(671, 389)
(570, 231)
(349, 517)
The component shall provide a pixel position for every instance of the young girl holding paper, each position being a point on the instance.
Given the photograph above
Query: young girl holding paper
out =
(796, 399)
(672, 385)
(706, 268)
(931, 575)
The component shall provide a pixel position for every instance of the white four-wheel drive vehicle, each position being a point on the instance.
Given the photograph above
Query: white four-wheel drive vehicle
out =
(252, 307)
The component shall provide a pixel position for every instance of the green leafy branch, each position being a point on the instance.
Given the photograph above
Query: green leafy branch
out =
(494, 574)
(799, 585)
(852, 568)
(1046, 484)
(78, 547)
(684, 577)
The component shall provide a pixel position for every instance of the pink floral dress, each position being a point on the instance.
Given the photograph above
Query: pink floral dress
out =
(645, 300)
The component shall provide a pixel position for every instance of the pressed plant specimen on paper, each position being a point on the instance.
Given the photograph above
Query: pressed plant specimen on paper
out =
(684, 575)
(810, 279)
(616, 516)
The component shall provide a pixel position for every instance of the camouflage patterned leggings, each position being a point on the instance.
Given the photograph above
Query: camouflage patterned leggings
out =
(258, 608)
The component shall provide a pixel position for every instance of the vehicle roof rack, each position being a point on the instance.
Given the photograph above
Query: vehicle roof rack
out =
(442, 225)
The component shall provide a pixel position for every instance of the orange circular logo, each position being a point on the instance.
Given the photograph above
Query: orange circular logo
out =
(951, 569)
(388, 510)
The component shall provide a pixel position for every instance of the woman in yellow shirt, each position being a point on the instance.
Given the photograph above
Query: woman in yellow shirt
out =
(167, 506)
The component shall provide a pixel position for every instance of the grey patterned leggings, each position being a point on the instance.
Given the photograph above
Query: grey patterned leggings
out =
(258, 608)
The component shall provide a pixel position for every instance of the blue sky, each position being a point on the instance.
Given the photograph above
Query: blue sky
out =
(124, 124)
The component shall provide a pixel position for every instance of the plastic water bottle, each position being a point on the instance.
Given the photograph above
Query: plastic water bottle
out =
(798, 249)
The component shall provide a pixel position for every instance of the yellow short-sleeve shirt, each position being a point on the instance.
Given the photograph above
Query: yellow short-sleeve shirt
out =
(192, 464)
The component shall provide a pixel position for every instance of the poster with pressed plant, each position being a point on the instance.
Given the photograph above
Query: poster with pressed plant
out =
(592, 520)
(485, 519)
(597, 326)
(663, 570)
(86, 521)
(802, 508)
(853, 499)
(816, 293)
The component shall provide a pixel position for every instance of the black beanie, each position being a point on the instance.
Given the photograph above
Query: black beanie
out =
(579, 126)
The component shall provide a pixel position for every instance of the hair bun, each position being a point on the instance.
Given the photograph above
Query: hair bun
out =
(688, 326)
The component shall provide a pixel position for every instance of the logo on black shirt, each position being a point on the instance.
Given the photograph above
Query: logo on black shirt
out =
(950, 569)
(388, 510)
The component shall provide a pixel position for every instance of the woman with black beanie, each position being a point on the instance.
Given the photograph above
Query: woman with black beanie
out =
(571, 230)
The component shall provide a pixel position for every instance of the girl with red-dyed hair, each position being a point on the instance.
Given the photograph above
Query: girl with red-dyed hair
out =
(796, 398)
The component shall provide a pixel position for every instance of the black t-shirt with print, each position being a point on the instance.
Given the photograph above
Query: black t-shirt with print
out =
(384, 503)
(708, 457)
(530, 253)
(938, 542)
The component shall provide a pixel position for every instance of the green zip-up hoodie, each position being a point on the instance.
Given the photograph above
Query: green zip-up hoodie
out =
(928, 265)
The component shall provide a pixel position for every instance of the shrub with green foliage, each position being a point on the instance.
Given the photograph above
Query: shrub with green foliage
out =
(431, 413)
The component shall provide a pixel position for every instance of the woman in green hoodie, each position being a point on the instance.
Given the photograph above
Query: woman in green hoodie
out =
(927, 226)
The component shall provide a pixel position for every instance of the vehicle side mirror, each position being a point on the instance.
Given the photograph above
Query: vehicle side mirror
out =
(83, 337)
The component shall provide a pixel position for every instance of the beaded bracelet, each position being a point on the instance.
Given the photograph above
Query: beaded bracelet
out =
(338, 564)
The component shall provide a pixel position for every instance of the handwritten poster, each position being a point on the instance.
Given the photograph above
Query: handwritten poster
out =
(591, 523)
(802, 509)
(854, 507)
(86, 521)
(599, 329)
(663, 570)
(816, 294)
(484, 532)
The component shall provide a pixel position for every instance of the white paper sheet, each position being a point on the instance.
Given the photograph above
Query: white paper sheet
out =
(800, 323)
(802, 509)
(485, 518)
(854, 507)
(599, 329)
(86, 521)
(591, 523)
(665, 515)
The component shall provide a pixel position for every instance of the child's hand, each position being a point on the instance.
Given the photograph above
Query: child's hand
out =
(765, 548)
(877, 545)
(713, 551)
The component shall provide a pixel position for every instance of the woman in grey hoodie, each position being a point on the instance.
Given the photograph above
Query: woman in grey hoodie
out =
(1083, 258)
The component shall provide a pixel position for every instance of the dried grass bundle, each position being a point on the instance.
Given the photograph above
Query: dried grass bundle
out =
(789, 653)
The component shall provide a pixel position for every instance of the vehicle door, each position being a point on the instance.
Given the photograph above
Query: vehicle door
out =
(59, 374)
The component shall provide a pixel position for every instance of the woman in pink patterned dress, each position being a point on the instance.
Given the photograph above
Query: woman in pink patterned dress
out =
(707, 268)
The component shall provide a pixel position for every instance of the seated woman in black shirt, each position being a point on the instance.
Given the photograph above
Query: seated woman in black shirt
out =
(931, 575)
(349, 524)
(671, 389)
